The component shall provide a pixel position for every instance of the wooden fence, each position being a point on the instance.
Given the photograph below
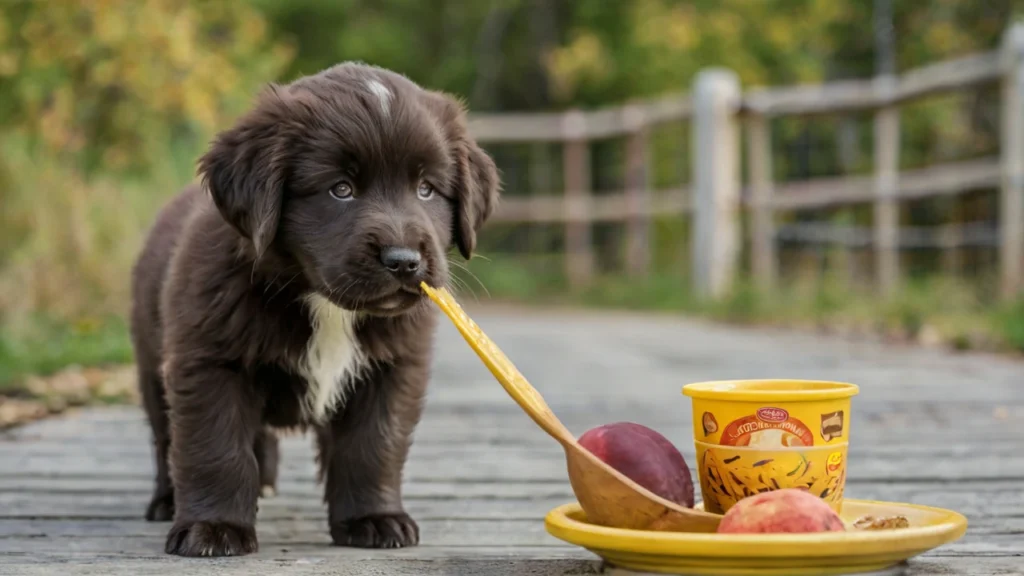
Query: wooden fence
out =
(717, 110)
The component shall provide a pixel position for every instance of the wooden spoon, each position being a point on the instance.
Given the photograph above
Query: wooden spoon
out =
(607, 496)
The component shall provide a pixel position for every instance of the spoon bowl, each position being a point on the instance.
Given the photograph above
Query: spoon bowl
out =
(608, 497)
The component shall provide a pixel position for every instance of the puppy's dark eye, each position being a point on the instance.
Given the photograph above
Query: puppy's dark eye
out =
(425, 191)
(342, 191)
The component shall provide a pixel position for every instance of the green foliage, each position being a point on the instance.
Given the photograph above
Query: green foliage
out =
(934, 310)
(67, 239)
(1010, 321)
(50, 345)
(531, 278)
(434, 42)
(104, 108)
(652, 46)
(110, 83)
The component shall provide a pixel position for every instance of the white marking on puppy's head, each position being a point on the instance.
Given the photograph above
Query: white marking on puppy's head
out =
(382, 93)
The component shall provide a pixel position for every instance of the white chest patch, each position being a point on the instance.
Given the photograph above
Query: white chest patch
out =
(382, 93)
(333, 359)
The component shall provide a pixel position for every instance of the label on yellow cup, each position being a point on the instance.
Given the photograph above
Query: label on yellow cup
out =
(771, 425)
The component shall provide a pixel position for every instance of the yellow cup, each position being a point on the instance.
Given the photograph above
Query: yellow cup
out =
(754, 436)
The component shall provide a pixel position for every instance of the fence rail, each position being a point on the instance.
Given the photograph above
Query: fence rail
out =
(578, 125)
(937, 180)
(715, 198)
(847, 96)
(946, 236)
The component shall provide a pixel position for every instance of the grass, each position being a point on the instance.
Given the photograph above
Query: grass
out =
(67, 243)
(1010, 320)
(46, 346)
(936, 309)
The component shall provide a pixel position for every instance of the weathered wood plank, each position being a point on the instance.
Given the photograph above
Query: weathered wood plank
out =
(507, 532)
(317, 544)
(131, 507)
(497, 467)
(522, 448)
(300, 487)
(95, 534)
(302, 561)
(484, 431)
(429, 562)
(874, 420)
(992, 497)
(998, 505)
(928, 427)
(496, 564)
(929, 565)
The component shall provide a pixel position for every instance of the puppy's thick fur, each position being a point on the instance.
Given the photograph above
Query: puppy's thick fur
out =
(283, 292)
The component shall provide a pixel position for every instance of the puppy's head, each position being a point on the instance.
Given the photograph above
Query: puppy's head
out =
(359, 178)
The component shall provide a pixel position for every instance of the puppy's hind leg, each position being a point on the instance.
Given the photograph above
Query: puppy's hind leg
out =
(161, 506)
(267, 455)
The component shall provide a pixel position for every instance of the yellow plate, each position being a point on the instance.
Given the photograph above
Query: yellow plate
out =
(851, 552)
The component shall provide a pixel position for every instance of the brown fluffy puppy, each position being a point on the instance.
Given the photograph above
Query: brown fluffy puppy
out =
(284, 293)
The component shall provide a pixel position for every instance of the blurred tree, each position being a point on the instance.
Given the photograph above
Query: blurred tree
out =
(488, 52)
(111, 83)
(505, 54)
(102, 87)
(124, 75)
(619, 50)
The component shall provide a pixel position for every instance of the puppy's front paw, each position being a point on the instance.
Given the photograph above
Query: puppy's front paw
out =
(161, 508)
(211, 539)
(377, 531)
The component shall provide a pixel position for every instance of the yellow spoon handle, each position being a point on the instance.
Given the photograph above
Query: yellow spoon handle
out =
(528, 398)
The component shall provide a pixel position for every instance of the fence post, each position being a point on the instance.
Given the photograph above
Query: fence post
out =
(541, 182)
(886, 210)
(638, 223)
(1011, 202)
(763, 252)
(715, 158)
(579, 258)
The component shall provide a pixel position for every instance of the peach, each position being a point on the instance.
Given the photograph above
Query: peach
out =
(644, 456)
(787, 510)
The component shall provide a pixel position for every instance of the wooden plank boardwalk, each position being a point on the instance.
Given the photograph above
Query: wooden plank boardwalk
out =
(929, 427)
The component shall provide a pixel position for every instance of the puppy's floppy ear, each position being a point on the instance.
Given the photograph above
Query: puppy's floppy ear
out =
(477, 189)
(245, 169)
(476, 183)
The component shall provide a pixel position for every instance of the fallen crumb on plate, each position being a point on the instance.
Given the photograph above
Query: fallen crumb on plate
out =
(885, 523)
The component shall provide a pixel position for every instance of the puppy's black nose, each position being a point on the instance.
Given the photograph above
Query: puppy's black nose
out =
(402, 262)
